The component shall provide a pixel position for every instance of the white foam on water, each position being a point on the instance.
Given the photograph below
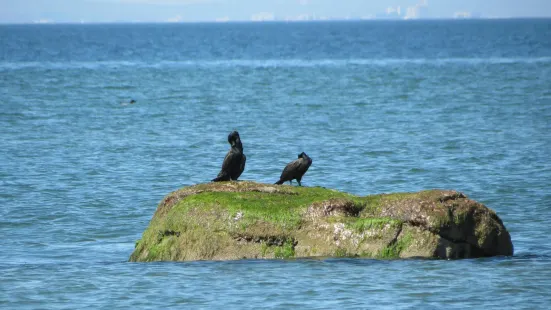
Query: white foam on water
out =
(272, 63)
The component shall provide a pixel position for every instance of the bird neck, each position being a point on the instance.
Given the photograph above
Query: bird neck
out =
(238, 146)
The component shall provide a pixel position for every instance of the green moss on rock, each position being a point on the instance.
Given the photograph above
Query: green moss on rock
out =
(287, 250)
(395, 249)
(235, 220)
(364, 224)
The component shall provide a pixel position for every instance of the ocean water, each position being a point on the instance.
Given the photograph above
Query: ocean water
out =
(379, 106)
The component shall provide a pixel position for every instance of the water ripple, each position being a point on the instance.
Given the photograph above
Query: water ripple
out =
(81, 172)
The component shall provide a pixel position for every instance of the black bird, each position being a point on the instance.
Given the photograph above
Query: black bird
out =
(234, 162)
(132, 101)
(295, 169)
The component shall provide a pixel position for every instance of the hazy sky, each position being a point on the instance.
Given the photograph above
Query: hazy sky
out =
(27, 11)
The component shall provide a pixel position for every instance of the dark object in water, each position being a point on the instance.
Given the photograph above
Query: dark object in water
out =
(234, 162)
(132, 101)
(295, 169)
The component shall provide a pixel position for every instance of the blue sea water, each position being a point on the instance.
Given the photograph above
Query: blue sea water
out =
(379, 106)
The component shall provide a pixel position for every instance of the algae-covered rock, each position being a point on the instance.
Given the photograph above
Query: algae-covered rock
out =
(247, 220)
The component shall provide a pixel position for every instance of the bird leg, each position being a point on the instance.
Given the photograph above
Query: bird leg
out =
(299, 183)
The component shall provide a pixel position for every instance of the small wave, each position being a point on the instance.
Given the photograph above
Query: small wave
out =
(531, 256)
(271, 63)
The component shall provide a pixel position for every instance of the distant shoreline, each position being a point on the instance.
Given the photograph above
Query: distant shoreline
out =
(374, 20)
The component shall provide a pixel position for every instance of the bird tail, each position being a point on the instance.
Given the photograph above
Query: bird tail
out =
(222, 176)
(279, 182)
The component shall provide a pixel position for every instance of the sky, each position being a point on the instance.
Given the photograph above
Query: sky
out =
(108, 11)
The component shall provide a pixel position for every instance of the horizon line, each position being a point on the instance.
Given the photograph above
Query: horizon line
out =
(47, 22)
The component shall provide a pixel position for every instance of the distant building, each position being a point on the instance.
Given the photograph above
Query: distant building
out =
(390, 13)
(394, 11)
(420, 10)
(476, 15)
(175, 19)
(44, 21)
(411, 13)
(462, 15)
(262, 16)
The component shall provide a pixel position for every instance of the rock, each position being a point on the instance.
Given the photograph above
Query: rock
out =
(247, 220)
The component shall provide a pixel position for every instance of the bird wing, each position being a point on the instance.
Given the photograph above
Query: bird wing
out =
(305, 164)
(226, 166)
(238, 167)
(242, 168)
(290, 170)
(302, 167)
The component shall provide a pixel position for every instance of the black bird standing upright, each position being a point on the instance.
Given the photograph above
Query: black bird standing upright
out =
(295, 169)
(234, 162)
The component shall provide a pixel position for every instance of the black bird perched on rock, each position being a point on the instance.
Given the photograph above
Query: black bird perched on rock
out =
(295, 169)
(234, 162)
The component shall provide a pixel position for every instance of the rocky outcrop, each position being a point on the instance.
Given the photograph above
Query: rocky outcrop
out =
(247, 220)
